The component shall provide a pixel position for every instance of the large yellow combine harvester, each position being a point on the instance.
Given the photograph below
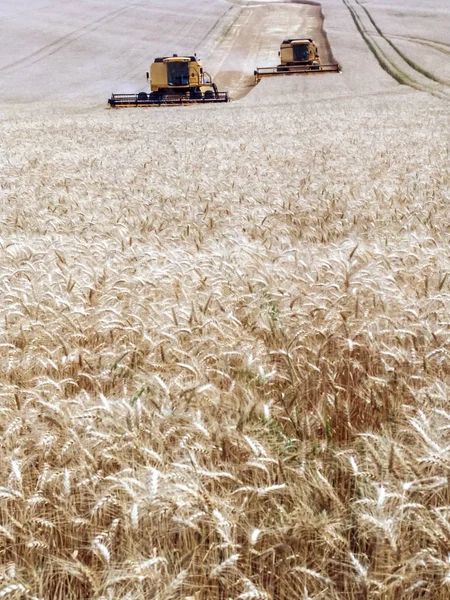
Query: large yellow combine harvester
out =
(174, 80)
(297, 56)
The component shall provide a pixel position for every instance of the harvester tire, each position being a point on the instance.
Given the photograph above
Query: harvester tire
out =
(196, 94)
(209, 95)
(142, 97)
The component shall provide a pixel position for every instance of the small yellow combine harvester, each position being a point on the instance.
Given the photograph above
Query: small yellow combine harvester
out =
(297, 56)
(174, 81)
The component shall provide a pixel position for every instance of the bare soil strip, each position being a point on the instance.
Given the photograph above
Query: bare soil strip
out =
(55, 59)
(253, 40)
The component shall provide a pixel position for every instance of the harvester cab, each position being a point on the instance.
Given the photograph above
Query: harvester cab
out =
(182, 75)
(298, 55)
(174, 80)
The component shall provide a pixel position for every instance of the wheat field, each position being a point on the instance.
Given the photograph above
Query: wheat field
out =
(224, 348)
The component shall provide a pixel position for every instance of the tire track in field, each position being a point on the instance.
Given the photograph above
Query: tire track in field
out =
(372, 38)
(181, 36)
(439, 46)
(62, 42)
(195, 25)
(30, 10)
(402, 55)
(210, 37)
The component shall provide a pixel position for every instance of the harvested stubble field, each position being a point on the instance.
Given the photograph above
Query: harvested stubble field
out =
(225, 343)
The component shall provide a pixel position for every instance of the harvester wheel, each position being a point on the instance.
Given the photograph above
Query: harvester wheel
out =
(142, 97)
(196, 94)
(155, 97)
(209, 95)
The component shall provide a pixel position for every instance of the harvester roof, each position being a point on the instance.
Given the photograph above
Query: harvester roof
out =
(297, 41)
(175, 58)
